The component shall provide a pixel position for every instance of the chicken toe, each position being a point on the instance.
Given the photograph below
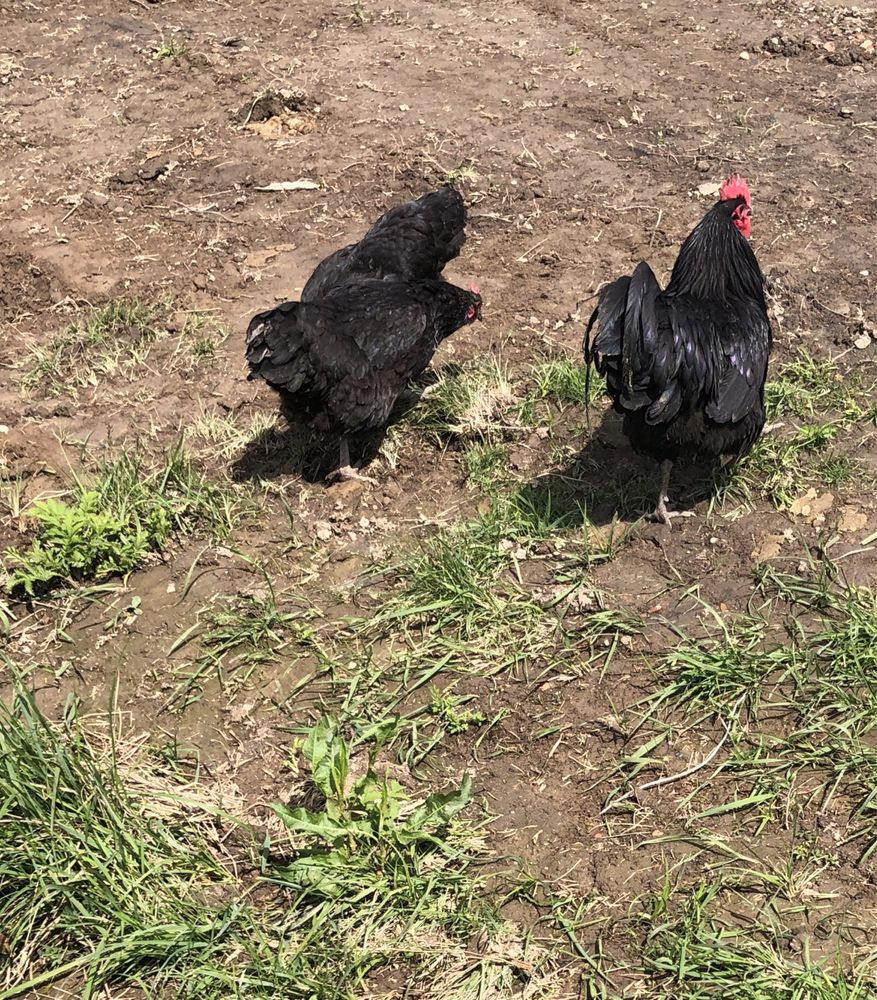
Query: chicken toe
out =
(345, 471)
(664, 516)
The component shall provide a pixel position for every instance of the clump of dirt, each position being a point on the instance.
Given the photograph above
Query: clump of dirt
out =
(842, 54)
(275, 114)
(145, 172)
(24, 286)
(850, 55)
(277, 104)
(788, 46)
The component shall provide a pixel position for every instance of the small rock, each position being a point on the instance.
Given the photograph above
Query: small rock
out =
(344, 488)
(708, 188)
(124, 177)
(846, 112)
(520, 458)
(176, 322)
(241, 713)
(767, 548)
(323, 531)
(745, 56)
(812, 506)
(862, 341)
(851, 520)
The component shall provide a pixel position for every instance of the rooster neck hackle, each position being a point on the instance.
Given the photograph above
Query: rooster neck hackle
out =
(716, 261)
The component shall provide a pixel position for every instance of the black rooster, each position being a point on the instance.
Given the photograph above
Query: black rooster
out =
(340, 363)
(413, 241)
(687, 365)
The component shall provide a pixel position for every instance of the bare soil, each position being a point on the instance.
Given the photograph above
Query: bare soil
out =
(580, 135)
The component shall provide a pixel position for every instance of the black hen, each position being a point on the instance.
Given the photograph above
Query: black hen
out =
(341, 363)
(413, 241)
(687, 365)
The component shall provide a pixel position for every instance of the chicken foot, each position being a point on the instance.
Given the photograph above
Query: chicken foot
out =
(345, 471)
(661, 514)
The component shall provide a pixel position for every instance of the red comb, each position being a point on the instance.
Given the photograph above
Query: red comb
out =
(475, 289)
(735, 187)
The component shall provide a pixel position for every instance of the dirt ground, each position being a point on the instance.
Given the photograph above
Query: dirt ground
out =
(137, 159)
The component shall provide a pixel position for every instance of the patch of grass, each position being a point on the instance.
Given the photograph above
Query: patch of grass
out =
(114, 875)
(741, 121)
(386, 880)
(463, 602)
(839, 470)
(471, 402)
(561, 381)
(446, 707)
(807, 385)
(218, 433)
(358, 13)
(100, 882)
(170, 48)
(12, 497)
(806, 686)
(630, 496)
(485, 463)
(114, 338)
(203, 347)
(691, 953)
(782, 468)
(464, 173)
(235, 635)
(110, 524)
(462, 606)
(203, 335)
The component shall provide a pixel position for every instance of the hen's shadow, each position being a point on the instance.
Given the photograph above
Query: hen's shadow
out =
(608, 480)
(286, 449)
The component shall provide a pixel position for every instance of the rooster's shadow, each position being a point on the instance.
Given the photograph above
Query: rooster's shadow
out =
(607, 481)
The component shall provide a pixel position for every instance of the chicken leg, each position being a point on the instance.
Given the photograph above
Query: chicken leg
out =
(661, 514)
(345, 471)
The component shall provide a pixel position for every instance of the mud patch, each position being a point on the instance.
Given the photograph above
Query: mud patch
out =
(25, 287)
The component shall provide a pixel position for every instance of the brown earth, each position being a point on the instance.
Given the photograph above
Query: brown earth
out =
(580, 136)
